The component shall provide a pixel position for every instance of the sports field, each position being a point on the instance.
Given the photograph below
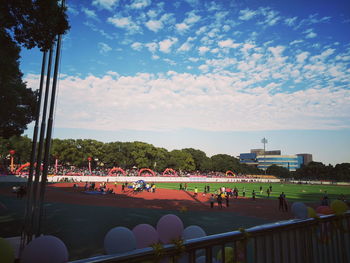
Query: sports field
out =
(293, 192)
(82, 220)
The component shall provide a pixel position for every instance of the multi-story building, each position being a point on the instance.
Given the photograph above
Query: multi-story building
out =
(263, 160)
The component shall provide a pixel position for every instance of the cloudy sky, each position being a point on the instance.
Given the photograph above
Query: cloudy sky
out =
(213, 75)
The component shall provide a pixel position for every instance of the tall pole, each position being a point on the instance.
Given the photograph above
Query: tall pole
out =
(33, 154)
(264, 141)
(49, 132)
(34, 205)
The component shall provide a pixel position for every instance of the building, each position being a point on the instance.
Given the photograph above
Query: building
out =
(291, 162)
(261, 152)
(262, 160)
(307, 158)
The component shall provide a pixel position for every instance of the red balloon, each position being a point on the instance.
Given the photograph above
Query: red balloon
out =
(12, 152)
(324, 210)
(89, 159)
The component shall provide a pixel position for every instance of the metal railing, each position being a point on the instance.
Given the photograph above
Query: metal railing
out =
(321, 240)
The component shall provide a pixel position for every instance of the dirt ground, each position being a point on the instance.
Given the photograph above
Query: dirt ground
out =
(164, 199)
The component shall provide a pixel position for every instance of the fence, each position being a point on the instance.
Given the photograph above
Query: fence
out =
(321, 240)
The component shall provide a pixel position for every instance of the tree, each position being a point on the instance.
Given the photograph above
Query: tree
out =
(200, 159)
(31, 24)
(17, 102)
(278, 171)
(34, 23)
(223, 162)
(181, 160)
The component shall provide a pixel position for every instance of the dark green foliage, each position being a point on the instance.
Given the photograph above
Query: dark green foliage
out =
(31, 24)
(34, 23)
(17, 102)
(278, 171)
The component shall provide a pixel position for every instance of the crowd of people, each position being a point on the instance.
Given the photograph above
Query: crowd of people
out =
(62, 170)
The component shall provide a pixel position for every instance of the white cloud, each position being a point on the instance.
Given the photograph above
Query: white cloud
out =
(226, 28)
(106, 4)
(246, 47)
(202, 50)
(103, 48)
(247, 14)
(90, 13)
(300, 58)
(125, 23)
(139, 4)
(277, 51)
(185, 47)
(228, 43)
(208, 101)
(170, 61)
(166, 44)
(290, 21)
(309, 33)
(152, 47)
(72, 9)
(182, 27)
(137, 46)
(297, 41)
(271, 16)
(192, 59)
(204, 68)
(192, 18)
(154, 25)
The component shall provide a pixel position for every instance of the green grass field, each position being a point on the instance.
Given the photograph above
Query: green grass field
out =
(293, 192)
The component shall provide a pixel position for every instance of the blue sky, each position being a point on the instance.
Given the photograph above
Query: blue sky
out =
(213, 75)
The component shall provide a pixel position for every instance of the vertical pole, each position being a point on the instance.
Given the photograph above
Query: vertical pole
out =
(40, 149)
(56, 165)
(24, 234)
(49, 132)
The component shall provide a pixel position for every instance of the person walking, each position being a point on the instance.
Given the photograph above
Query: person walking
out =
(281, 202)
(212, 200)
(219, 199)
(227, 200)
(253, 195)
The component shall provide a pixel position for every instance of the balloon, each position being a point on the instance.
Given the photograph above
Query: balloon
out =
(311, 213)
(6, 251)
(169, 227)
(228, 255)
(339, 207)
(45, 249)
(145, 235)
(324, 210)
(191, 232)
(119, 240)
(299, 210)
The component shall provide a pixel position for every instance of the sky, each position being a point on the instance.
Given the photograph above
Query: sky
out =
(213, 75)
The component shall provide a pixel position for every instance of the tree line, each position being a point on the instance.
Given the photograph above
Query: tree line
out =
(126, 155)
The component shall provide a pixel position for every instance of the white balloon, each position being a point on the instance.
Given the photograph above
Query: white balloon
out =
(191, 232)
(299, 210)
(45, 249)
(119, 240)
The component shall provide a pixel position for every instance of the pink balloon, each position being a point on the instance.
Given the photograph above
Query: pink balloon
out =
(45, 249)
(145, 235)
(169, 227)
